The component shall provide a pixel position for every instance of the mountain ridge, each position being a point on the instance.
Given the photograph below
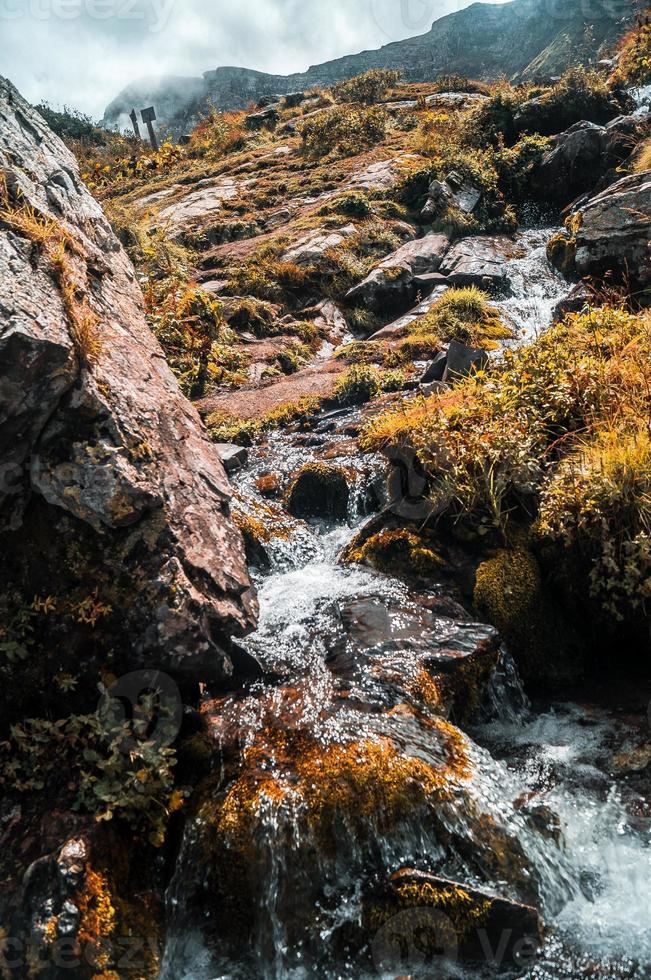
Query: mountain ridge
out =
(521, 39)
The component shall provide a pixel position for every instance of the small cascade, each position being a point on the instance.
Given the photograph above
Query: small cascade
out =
(535, 286)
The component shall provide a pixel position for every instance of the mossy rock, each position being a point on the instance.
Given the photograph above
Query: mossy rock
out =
(511, 594)
(397, 551)
(319, 491)
(561, 253)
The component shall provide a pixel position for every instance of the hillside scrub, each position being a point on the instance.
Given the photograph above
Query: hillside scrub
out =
(367, 88)
(634, 54)
(344, 130)
(554, 438)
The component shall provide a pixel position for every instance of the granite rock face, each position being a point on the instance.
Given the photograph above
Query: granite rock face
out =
(110, 491)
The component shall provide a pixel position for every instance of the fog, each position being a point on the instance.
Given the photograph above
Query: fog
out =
(81, 53)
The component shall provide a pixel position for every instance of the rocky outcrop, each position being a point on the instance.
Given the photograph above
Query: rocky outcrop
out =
(614, 232)
(107, 475)
(479, 261)
(457, 922)
(526, 38)
(583, 155)
(392, 285)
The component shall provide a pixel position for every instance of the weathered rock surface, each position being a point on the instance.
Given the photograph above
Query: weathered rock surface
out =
(614, 233)
(200, 205)
(313, 247)
(392, 284)
(480, 261)
(453, 192)
(583, 155)
(107, 474)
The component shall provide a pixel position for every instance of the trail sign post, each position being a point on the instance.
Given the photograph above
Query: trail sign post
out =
(133, 116)
(148, 116)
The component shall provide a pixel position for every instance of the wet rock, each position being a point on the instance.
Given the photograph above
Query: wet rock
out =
(480, 261)
(109, 476)
(233, 457)
(462, 361)
(384, 175)
(392, 283)
(574, 302)
(446, 921)
(319, 491)
(614, 232)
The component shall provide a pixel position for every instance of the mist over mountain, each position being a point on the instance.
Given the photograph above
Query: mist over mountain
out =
(523, 39)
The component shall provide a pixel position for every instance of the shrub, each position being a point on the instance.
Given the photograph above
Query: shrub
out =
(367, 88)
(218, 134)
(343, 130)
(70, 124)
(111, 774)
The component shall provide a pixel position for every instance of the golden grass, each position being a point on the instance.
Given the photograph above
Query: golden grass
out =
(67, 263)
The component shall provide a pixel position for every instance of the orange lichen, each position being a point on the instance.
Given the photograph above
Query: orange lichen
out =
(97, 914)
(359, 782)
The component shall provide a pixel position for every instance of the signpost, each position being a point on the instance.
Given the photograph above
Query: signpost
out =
(148, 116)
(134, 119)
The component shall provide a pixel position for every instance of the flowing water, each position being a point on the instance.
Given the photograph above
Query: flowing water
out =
(537, 806)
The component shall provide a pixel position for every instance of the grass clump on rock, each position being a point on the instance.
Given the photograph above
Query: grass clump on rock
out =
(466, 315)
(361, 383)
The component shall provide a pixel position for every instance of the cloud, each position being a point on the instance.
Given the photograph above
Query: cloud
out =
(81, 53)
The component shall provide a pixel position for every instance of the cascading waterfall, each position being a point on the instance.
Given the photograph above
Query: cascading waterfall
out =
(342, 650)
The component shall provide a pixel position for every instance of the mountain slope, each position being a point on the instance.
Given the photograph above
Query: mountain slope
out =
(482, 41)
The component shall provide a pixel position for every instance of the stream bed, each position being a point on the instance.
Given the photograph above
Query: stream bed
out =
(543, 804)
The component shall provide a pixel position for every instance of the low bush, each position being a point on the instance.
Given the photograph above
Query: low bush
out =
(368, 88)
(343, 130)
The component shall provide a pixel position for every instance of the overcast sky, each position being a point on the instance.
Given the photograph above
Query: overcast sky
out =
(83, 52)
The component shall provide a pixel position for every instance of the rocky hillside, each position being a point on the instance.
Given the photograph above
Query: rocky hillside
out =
(415, 325)
(525, 38)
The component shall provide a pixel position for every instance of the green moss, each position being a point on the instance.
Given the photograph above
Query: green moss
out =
(398, 552)
(561, 253)
(510, 594)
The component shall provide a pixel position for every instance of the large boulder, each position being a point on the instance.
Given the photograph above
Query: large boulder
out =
(480, 261)
(583, 155)
(114, 506)
(614, 232)
(392, 285)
